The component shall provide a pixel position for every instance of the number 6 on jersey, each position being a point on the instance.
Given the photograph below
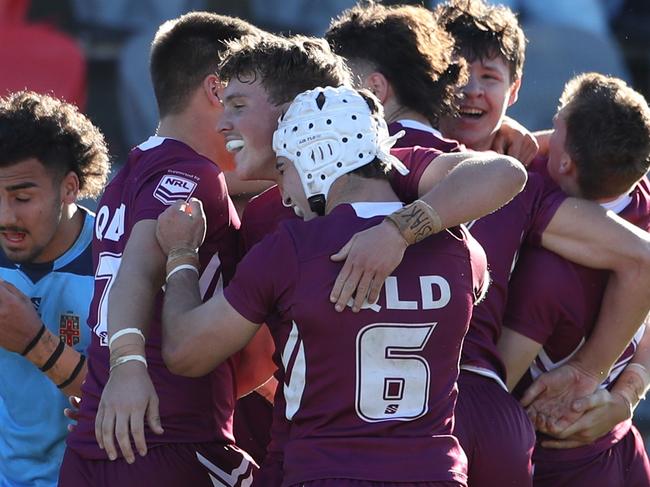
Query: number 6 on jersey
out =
(392, 381)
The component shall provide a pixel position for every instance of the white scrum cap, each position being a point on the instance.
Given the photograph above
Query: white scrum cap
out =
(329, 132)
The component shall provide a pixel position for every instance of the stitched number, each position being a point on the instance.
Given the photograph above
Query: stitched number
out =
(109, 264)
(392, 381)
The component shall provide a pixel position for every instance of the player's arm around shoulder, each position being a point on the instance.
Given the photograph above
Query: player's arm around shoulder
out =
(454, 188)
(583, 232)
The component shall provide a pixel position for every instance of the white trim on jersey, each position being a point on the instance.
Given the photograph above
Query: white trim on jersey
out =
(490, 374)
(543, 363)
(619, 204)
(151, 142)
(208, 275)
(370, 209)
(414, 124)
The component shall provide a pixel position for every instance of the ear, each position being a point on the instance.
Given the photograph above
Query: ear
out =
(70, 188)
(378, 85)
(212, 88)
(514, 92)
(567, 167)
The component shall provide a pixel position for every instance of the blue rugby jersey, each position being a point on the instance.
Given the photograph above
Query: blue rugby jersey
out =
(32, 425)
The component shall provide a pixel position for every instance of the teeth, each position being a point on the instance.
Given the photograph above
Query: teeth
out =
(471, 111)
(233, 145)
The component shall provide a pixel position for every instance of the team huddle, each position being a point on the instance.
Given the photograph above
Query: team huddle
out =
(427, 294)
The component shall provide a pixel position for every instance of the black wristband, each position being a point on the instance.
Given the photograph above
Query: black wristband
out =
(54, 357)
(74, 374)
(34, 341)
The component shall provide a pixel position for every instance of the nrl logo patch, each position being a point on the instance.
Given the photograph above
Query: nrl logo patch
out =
(69, 329)
(173, 188)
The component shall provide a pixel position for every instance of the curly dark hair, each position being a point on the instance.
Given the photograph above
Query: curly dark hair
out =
(607, 134)
(483, 31)
(186, 50)
(285, 66)
(406, 45)
(55, 133)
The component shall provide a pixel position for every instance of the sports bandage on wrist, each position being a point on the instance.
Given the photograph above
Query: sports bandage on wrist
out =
(644, 376)
(125, 331)
(34, 341)
(182, 256)
(126, 358)
(180, 268)
(75, 372)
(49, 363)
(416, 221)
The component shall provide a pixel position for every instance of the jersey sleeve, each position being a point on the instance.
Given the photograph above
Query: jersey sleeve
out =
(547, 200)
(186, 178)
(532, 309)
(417, 160)
(264, 280)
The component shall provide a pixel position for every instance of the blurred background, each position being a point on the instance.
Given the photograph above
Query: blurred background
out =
(94, 53)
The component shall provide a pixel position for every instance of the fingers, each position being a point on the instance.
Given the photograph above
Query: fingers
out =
(74, 401)
(343, 253)
(351, 283)
(536, 389)
(107, 430)
(99, 420)
(499, 144)
(12, 289)
(341, 279)
(196, 207)
(136, 423)
(562, 444)
(362, 291)
(153, 416)
(375, 288)
(122, 427)
(591, 401)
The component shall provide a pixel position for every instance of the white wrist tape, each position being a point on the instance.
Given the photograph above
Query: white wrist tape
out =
(643, 373)
(180, 268)
(122, 332)
(128, 358)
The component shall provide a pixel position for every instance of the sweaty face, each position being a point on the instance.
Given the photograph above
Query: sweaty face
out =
(293, 193)
(30, 213)
(485, 99)
(248, 122)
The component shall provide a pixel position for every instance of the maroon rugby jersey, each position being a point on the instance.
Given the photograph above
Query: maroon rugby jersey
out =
(369, 395)
(556, 302)
(501, 234)
(158, 172)
(418, 134)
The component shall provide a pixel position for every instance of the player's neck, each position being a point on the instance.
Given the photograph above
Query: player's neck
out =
(394, 112)
(356, 189)
(195, 131)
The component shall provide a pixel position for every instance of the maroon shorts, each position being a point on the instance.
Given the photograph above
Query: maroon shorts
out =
(370, 483)
(270, 473)
(171, 465)
(252, 425)
(493, 429)
(624, 464)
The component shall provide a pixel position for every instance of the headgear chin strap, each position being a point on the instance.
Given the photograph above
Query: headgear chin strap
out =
(329, 132)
